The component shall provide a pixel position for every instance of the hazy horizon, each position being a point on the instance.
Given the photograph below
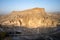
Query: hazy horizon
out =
(19, 5)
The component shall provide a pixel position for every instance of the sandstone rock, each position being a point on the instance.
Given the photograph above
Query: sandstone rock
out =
(31, 18)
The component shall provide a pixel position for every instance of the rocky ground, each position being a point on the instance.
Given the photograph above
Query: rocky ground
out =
(31, 34)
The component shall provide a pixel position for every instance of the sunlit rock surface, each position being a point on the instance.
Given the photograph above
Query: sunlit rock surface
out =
(34, 22)
(31, 18)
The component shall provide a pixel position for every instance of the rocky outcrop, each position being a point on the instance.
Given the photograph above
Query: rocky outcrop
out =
(31, 18)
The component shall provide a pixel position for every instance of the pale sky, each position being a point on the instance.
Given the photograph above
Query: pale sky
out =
(18, 5)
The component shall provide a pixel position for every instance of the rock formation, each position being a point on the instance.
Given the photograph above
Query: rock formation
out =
(31, 18)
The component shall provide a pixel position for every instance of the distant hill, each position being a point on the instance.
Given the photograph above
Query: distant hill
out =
(55, 15)
(31, 18)
(34, 22)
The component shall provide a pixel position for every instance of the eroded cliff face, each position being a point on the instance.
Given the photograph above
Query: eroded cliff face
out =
(31, 18)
